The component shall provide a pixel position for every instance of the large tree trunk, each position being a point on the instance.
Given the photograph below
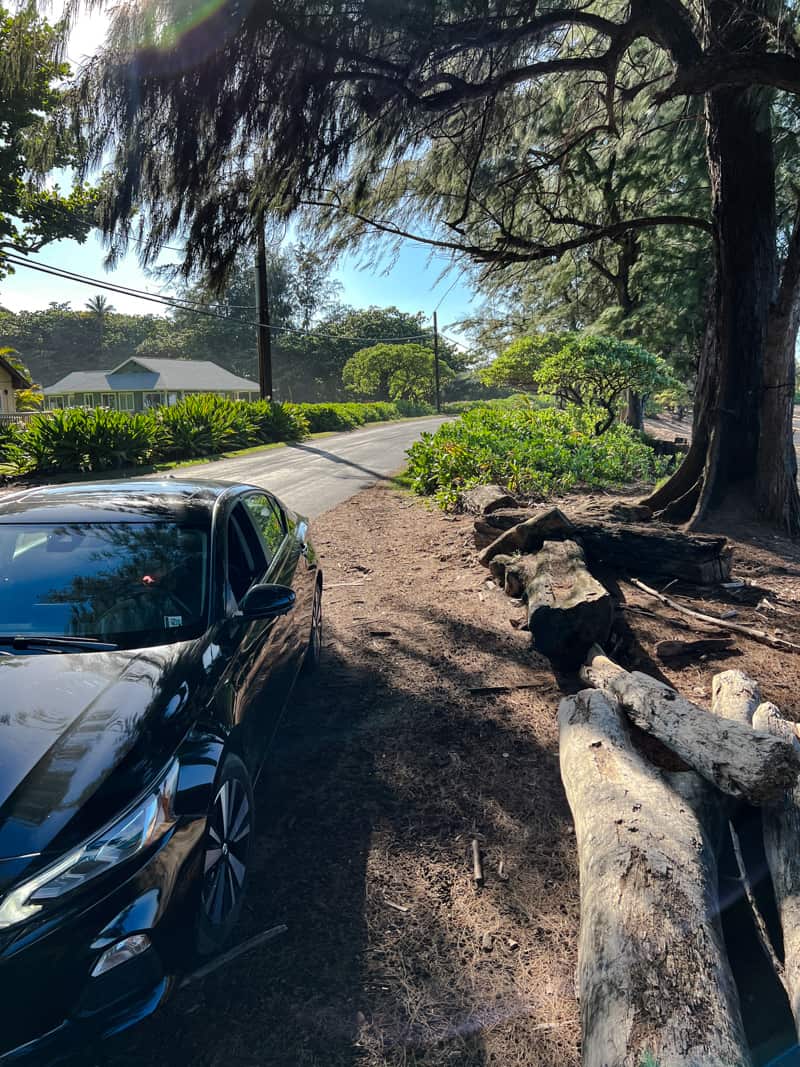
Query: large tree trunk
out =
(741, 457)
(654, 980)
(776, 485)
(634, 410)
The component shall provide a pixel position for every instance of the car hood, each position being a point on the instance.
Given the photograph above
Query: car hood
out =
(81, 735)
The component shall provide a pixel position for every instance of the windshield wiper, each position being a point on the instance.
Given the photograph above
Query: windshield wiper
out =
(78, 644)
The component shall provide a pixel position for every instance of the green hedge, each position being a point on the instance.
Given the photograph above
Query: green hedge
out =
(507, 403)
(80, 440)
(322, 417)
(533, 453)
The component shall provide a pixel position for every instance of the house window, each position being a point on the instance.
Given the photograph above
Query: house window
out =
(125, 401)
(153, 400)
(54, 402)
(108, 400)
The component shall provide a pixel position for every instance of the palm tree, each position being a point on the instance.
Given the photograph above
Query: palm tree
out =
(99, 306)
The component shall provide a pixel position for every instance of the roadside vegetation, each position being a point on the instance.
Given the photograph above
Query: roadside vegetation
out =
(77, 440)
(535, 453)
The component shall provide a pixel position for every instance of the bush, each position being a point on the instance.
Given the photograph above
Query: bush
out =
(10, 435)
(199, 426)
(278, 422)
(326, 417)
(533, 453)
(507, 403)
(78, 440)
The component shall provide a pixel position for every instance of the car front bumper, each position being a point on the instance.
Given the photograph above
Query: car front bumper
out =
(50, 1001)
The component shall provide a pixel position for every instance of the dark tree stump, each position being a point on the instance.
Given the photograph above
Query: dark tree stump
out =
(567, 608)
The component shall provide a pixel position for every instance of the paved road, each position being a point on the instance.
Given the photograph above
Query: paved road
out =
(318, 474)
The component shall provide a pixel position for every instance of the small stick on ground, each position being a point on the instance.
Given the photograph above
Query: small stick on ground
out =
(725, 624)
(233, 953)
(477, 863)
(397, 907)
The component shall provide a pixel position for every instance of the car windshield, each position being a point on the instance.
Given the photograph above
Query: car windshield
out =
(133, 584)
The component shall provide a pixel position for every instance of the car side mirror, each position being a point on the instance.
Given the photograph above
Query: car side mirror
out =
(267, 601)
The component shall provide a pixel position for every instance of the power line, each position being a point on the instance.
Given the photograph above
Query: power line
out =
(193, 309)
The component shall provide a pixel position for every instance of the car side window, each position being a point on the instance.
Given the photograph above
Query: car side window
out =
(269, 520)
(246, 560)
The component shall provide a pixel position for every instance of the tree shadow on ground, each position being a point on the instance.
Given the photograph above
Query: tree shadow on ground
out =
(367, 771)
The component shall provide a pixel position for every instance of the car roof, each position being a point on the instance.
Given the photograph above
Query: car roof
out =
(117, 501)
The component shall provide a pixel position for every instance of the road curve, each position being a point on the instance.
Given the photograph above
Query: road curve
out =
(315, 475)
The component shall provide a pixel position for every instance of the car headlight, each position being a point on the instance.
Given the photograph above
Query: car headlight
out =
(140, 826)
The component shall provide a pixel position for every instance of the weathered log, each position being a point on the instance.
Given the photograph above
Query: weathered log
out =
(735, 696)
(707, 646)
(525, 531)
(653, 550)
(484, 499)
(781, 823)
(654, 981)
(739, 761)
(568, 609)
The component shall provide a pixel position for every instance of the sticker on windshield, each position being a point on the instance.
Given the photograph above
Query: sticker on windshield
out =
(171, 621)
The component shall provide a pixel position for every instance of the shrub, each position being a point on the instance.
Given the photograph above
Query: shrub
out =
(533, 453)
(326, 417)
(201, 426)
(278, 422)
(10, 435)
(506, 403)
(79, 440)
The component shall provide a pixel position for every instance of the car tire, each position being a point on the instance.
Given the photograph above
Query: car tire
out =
(227, 844)
(314, 651)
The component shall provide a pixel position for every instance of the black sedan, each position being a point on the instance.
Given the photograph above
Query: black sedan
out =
(150, 635)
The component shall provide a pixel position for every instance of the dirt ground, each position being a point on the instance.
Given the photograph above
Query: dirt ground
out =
(402, 750)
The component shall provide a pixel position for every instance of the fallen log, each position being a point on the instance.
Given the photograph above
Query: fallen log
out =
(654, 982)
(667, 650)
(735, 696)
(739, 761)
(484, 499)
(714, 620)
(657, 551)
(534, 529)
(781, 823)
(568, 609)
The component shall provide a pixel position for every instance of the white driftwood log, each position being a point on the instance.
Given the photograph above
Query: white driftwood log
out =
(735, 696)
(782, 847)
(654, 982)
(742, 762)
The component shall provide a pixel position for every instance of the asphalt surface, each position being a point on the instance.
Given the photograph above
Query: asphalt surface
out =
(316, 475)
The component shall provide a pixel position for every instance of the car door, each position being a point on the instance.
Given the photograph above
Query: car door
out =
(285, 551)
(257, 676)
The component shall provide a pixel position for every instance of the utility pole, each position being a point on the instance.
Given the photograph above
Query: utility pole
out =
(436, 362)
(262, 313)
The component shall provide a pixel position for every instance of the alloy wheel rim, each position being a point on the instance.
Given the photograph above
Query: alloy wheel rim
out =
(225, 862)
